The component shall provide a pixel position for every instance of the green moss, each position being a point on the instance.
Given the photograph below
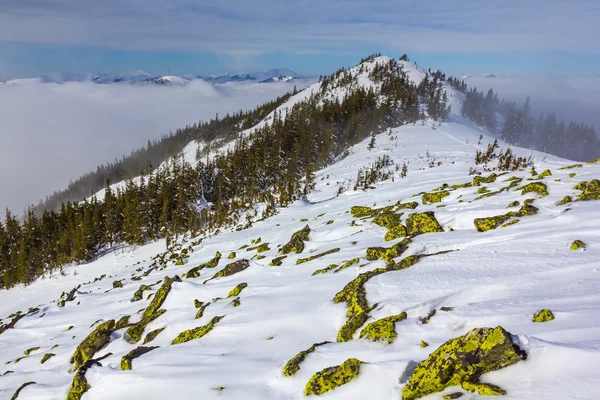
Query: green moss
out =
(276, 262)
(544, 315)
(482, 190)
(31, 350)
(237, 290)
(126, 360)
(263, 247)
(325, 270)
(134, 333)
(535, 187)
(329, 222)
(296, 243)
(545, 174)
(347, 264)
(123, 322)
(425, 319)
(307, 259)
(424, 344)
(243, 247)
(387, 253)
(361, 211)
(591, 190)
(446, 309)
(46, 357)
(179, 262)
(117, 284)
(434, 197)
(489, 223)
(572, 166)
(572, 175)
(303, 219)
(231, 269)
(514, 204)
(387, 219)
(410, 205)
(578, 244)
(419, 223)
(463, 359)
(95, 341)
(197, 333)
(236, 302)
(23, 386)
(152, 335)
(462, 185)
(333, 377)
(231, 255)
(483, 389)
(293, 365)
(511, 222)
(395, 232)
(478, 180)
(139, 294)
(202, 306)
(80, 384)
(383, 330)
(452, 396)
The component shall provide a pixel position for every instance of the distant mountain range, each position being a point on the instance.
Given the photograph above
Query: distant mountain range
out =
(145, 77)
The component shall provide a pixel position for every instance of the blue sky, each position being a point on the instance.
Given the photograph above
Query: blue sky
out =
(310, 36)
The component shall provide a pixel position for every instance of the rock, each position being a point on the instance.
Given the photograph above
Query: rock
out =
(133, 354)
(296, 243)
(452, 396)
(213, 263)
(46, 357)
(197, 333)
(333, 377)
(591, 190)
(383, 330)
(231, 269)
(434, 197)
(535, 187)
(578, 244)
(387, 219)
(93, 343)
(152, 335)
(395, 232)
(237, 290)
(419, 223)
(463, 359)
(410, 205)
(361, 211)
(80, 384)
(293, 365)
(478, 180)
(424, 344)
(544, 315)
(307, 259)
(231, 255)
(23, 386)
(566, 200)
(483, 389)
(31, 350)
(545, 174)
(117, 284)
(277, 261)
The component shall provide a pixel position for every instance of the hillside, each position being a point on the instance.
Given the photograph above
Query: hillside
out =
(257, 311)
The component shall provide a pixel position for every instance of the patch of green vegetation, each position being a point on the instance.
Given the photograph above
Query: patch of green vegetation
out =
(361, 211)
(139, 294)
(383, 330)
(535, 187)
(231, 255)
(591, 190)
(307, 259)
(213, 263)
(231, 269)
(434, 197)
(395, 232)
(123, 322)
(236, 302)
(46, 357)
(276, 262)
(31, 350)
(483, 389)
(293, 365)
(410, 205)
(126, 360)
(387, 253)
(237, 290)
(572, 166)
(545, 174)
(152, 335)
(578, 244)
(296, 243)
(478, 180)
(544, 315)
(387, 219)
(95, 341)
(419, 223)
(462, 185)
(424, 344)
(18, 392)
(197, 333)
(333, 377)
(347, 264)
(325, 270)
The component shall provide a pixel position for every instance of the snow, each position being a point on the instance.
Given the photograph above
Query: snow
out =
(500, 277)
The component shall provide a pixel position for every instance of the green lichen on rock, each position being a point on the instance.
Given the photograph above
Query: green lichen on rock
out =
(152, 335)
(383, 330)
(333, 377)
(237, 290)
(139, 294)
(307, 259)
(572, 166)
(231, 269)
(545, 174)
(236, 302)
(572, 175)
(197, 333)
(94, 342)
(544, 315)
(482, 190)
(419, 223)
(452, 396)
(361, 211)
(123, 322)
(325, 270)
(463, 359)
(80, 384)
(31, 350)
(483, 389)
(293, 365)
(263, 247)
(46, 357)
(277, 261)
(231, 255)
(387, 219)
(489, 223)
(179, 262)
(535, 187)
(347, 264)
(423, 344)
(410, 205)
(434, 197)
(134, 333)
(478, 180)
(591, 190)
(578, 244)
(514, 204)
(462, 185)
(296, 243)
(425, 319)
(117, 284)
(23, 386)
(511, 222)
(126, 360)
(387, 253)
(213, 263)
(201, 307)
(395, 232)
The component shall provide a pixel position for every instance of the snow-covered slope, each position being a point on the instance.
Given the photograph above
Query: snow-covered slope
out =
(499, 277)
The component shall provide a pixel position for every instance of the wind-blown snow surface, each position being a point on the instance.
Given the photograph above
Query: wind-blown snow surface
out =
(500, 277)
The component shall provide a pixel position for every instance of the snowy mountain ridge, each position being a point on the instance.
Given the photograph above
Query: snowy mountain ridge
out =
(253, 309)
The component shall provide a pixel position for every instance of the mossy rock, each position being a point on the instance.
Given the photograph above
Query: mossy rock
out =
(303, 219)
(263, 247)
(123, 322)
(511, 222)
(152, 335)
(296, 243)
(387, 219)
(117, 284)
(423, 344)
(462, 185)
(201, 309)
(578, 244)
(347, 264)
(395, 232)
(483, 389)
(195, 272)
(463, 359)
(545, 174)
(483, 190)
(179, 262)
(325, 270)
(94, 342)
(139, 294)
(383, 330)
(434, 197)
(197, 333)
(361, 211)
(514, 204)
(80, 384)
(544, 315)
(452, 396)
(489, 223)
(333, 377)
(410, 205)
(231, 269)
(307, 259)
(126, 360)
(134, 333)
(591, 190)
(277, 261)
(20, 389)
(387, 253)
(572, 166)
(31, 350)
(419, 223)
(236, 302)
(535, 187)
(237, 290)
(478, 180)
(46, 357)
(425, 319)
(231, 255)
(293, 365)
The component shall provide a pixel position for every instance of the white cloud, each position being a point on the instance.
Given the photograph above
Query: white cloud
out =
(52, 133)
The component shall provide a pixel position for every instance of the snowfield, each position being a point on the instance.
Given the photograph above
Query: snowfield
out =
(499, 277)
